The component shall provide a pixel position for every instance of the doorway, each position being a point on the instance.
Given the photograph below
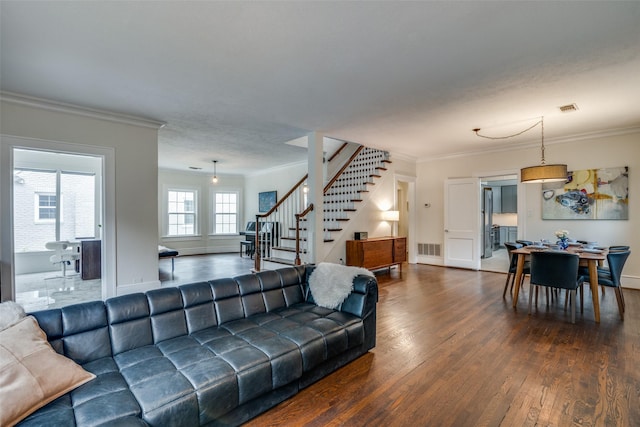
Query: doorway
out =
(500, 220)
(57, 218)
(405, 189)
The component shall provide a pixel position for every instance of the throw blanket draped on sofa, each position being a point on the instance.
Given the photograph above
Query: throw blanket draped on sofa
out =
(330, 284)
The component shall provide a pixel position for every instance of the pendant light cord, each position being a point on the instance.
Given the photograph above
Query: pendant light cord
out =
(541, 121)
(542, 144)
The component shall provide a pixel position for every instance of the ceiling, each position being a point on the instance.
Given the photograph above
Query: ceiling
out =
(234, 81)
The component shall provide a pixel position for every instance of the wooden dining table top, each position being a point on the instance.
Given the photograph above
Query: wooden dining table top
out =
(579, 250)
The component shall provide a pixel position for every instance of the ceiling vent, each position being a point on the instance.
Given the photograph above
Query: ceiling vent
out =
(568, 108)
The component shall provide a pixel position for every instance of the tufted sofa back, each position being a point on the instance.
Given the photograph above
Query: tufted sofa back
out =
(93, 330)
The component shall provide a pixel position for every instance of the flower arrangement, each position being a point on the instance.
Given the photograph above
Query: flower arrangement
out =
(563, 235)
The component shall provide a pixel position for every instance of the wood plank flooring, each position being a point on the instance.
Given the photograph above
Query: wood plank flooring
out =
(451, 352)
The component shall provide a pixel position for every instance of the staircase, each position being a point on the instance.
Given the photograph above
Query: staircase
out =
(342, 196)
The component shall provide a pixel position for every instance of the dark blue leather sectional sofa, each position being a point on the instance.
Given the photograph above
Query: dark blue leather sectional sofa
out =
(210, 353)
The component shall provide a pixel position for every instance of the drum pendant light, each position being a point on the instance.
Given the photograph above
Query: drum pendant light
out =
(543, 172)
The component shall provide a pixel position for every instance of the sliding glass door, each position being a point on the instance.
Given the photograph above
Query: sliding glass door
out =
(56, 212)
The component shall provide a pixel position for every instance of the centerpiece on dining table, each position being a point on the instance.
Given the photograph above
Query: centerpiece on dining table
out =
(563, 239)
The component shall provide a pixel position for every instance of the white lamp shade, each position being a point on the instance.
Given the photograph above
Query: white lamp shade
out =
(391, 216)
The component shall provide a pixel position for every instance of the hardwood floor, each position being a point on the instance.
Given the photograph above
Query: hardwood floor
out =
(451, 352)
(194, 268)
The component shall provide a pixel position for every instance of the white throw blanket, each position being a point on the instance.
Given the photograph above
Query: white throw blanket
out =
(331, 283)
(10, 314)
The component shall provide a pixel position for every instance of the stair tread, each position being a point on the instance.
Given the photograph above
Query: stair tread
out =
(293, 238)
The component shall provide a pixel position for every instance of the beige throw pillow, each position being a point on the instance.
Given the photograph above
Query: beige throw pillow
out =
(32, 374)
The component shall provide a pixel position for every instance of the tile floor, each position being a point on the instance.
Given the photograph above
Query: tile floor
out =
(498, 262)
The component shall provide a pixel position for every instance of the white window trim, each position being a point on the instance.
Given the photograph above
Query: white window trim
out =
(212, 204)
(36, 208)
(165, 212)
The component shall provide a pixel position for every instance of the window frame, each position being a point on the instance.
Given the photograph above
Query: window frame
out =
(36, 208)
(212, 210)
(167, 213)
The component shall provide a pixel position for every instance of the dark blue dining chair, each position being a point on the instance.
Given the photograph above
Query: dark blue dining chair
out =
(513, 264)
(610, 276)
(556, 269)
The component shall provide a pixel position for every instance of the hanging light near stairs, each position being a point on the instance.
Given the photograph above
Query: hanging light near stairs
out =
(215, 175)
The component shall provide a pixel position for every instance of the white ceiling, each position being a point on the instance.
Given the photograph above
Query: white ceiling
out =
(235, 80)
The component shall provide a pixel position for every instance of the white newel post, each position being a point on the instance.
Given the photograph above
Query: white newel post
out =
(315, 237)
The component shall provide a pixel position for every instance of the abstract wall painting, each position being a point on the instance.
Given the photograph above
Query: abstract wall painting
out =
(267, 200)
(588, 194)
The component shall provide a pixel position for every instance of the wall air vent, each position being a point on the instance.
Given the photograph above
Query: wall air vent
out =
(429, 249)
(568, 108)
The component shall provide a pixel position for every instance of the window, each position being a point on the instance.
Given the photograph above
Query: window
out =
(46, 207)
(181, 211)
(225, 212)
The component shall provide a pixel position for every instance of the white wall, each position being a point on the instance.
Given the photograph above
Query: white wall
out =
(281, 179)
(204, 242)
(598, 152)
(135, 148)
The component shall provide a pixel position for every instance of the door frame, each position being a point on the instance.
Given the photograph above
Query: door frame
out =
(521, 193)
(412, 257)
(7, 259)
(466, 242)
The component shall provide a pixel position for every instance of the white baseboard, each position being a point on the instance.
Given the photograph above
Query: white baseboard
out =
(133, 288)
(422, 259)
(630, 282)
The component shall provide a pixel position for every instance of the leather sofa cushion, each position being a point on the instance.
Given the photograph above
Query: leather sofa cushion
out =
(167, 314)
(198, 306)
(165, 396)
(129, 322)
(228, 304)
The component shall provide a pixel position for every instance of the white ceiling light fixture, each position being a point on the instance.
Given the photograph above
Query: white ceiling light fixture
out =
(215, 175)
(542, 172)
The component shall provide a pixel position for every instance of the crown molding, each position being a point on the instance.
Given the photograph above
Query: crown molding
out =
(46, 104)
(275, 169)
(536, 144)
(401, 156)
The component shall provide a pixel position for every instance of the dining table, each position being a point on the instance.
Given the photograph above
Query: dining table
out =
(588, 256)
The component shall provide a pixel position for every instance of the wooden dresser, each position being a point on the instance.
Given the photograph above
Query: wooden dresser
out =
(377, 252)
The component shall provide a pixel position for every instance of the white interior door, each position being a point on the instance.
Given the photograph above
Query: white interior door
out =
(462, 221)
